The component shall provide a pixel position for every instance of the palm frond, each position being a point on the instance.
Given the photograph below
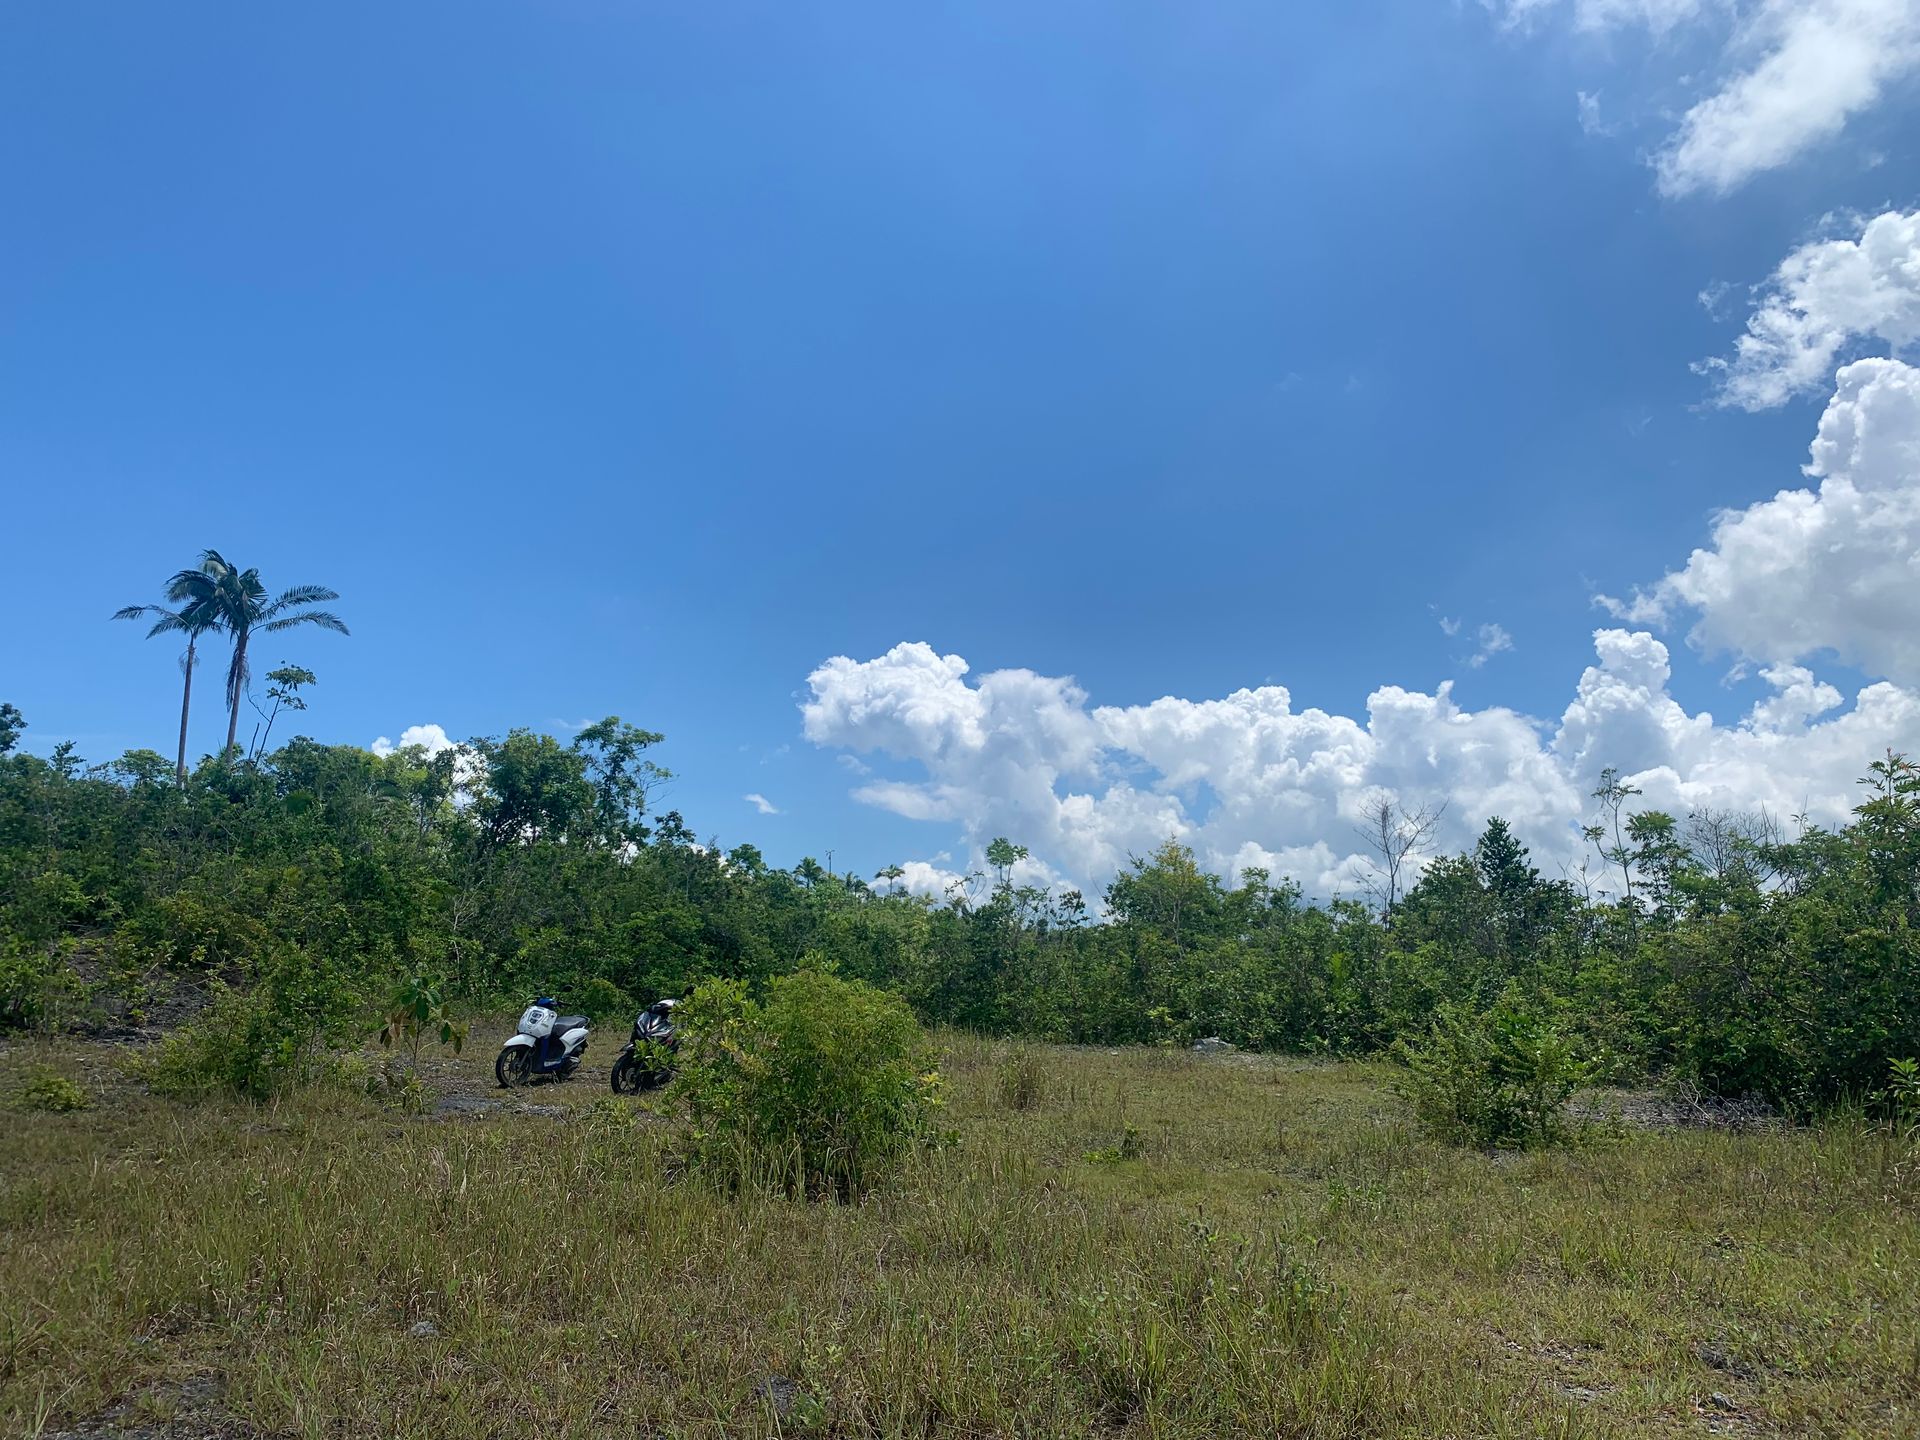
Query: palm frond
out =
(302, 595)
(325, 619)
(189, 585)
(168, 623)
(202, 616)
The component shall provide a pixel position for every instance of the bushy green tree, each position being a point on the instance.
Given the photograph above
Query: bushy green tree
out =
(820, 1086)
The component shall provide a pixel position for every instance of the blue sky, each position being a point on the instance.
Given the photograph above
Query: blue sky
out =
(638, 359)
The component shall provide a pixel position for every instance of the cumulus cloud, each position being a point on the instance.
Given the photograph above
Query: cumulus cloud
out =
(761, 803)
(1790, 74)
(1823, 297)
(1249, 780)
(430, 738)
(1832, 569)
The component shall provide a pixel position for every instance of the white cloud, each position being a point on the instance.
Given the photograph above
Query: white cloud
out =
(1835, 569)
(1817, 64)
(1790, 74)
(1822, 297)
(761, 803)
(1493, 640)
(1087, 786)
(430, 738)
(1590, 121)
(469, 769)
(1658, 16)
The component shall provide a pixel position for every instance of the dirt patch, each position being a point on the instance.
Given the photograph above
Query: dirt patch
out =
(188, 1409)
(1679, 1110)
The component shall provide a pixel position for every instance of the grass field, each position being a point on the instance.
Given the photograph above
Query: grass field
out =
(1132, 1243)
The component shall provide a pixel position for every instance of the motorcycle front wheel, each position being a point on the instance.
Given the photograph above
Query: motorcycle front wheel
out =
(514, 1068)
(627, 1078)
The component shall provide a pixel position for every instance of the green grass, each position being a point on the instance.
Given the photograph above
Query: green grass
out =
(1283, 1256)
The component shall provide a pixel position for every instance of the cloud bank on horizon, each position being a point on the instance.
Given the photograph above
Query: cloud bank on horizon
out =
(1249, 781)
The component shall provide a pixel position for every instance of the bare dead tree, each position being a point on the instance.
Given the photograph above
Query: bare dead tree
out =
(1726, 843)
(1397, 836)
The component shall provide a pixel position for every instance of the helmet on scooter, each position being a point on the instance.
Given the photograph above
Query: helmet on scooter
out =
(547, 1002)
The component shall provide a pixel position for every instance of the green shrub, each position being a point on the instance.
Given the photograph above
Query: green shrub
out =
(817, 1089)
(417, 1012)
(1499, 1079)
(1129, 1148)
(256, 1044)
(600, 998)
(1901, 1098)
(38, 989)
(47, 1089)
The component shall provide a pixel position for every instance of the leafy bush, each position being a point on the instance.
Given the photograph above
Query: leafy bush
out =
(600, 998)
(260, 1043)
(47, 1089)
(38, 989)
(1129, 1148)
(816, 1089)
(1902, 1097)
(1499, 1079)
(416, 1012)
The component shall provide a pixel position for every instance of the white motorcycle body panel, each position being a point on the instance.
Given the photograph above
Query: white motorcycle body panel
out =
(537, 1021)
(574, 1038)
(518, 1042)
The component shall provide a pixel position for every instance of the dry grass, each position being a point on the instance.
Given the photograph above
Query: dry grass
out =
(1283, 1257)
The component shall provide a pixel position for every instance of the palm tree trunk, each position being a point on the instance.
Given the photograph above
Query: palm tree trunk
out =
(186, 699)
(234, 688)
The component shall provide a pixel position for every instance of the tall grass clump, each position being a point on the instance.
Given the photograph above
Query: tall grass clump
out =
(1021, 1078)
(815, 1090)
(1499, 1079)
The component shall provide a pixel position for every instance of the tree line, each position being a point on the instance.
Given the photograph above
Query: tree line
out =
(315, 875)
(303, 883)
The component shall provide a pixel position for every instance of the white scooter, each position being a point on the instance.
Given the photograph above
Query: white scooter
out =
(544, 1043)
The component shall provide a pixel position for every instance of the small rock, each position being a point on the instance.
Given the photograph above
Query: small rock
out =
(464, 1105)
(1716, 1357)
(1214, 1045)
(1721, 1402)
(423, 1330)
(200, 1392)
(779, 1393)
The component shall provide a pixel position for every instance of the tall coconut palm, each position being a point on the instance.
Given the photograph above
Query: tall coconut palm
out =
(186, 621)
(235, 601)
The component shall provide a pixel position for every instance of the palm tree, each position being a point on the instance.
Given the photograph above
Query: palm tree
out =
(188, 621)
(235, 601)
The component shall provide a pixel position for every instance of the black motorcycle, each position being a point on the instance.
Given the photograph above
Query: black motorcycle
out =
(647, 1062)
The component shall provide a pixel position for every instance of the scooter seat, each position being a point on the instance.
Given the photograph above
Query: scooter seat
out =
(568, 1022)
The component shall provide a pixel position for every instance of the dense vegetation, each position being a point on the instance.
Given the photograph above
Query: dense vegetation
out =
(299, 885)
